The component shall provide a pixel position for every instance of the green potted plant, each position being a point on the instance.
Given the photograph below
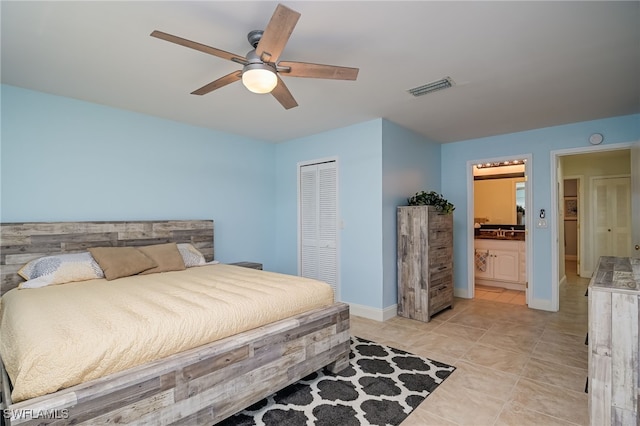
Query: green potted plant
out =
(432, 198)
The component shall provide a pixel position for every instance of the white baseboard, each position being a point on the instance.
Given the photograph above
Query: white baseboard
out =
(461, 292)
(542, 304)
(375, 314)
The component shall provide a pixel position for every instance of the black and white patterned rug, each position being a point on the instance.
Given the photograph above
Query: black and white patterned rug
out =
(382, 386)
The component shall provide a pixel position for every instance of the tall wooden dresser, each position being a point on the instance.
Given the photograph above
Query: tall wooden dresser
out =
(425, 262)
(614, 346)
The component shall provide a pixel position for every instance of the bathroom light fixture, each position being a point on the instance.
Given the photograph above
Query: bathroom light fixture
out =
(259, 77)
(501, 163)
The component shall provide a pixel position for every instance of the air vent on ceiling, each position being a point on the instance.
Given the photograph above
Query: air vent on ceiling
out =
(431, 87)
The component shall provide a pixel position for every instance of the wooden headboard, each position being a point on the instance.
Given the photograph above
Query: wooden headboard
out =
(22, 242)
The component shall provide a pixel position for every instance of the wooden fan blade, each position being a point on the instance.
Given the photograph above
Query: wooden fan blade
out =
(305, 69)
(222, 81)
(199, 47)
(277, 33)
(283, 95)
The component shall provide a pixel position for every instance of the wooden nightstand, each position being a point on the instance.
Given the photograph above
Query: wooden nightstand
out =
(252, 265)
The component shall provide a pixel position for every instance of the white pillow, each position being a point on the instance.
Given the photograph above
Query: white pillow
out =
(60, 269)
(191, 255)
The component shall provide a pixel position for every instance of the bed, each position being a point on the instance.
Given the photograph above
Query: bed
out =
(201, 385)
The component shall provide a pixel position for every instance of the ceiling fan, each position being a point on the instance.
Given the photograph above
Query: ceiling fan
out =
(261, 67)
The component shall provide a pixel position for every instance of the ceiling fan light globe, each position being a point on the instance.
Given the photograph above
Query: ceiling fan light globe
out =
(259, 80)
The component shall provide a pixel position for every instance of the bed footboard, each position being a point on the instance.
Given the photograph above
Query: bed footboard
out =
(204, 385)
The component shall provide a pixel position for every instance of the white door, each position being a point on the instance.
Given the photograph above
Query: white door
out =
(318, 222)
(612, 217)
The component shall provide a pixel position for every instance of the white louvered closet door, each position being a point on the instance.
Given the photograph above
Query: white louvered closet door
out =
(319, 223)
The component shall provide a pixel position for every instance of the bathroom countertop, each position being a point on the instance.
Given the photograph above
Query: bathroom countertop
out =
(517, 236)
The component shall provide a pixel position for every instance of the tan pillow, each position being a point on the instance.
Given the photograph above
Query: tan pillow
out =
(118, 262)
(167, 256)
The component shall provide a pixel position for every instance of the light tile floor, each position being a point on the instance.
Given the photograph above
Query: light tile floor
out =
(515, 366)
(498, 294)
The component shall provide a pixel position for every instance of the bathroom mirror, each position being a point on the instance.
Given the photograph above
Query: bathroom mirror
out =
(499, 194)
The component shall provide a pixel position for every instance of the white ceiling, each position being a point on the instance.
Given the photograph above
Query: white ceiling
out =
(516, 65)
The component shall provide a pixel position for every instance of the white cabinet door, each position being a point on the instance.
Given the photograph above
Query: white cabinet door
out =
(505, 265)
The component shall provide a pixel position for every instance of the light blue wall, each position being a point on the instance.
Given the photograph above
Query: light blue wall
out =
(539, 143)
(358, 149)
(380, 165)
(64, 159)
(410, 163)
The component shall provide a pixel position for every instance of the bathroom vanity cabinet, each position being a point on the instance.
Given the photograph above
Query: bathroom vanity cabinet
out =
(505, 262)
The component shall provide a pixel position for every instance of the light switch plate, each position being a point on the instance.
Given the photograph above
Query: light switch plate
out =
(542, 223)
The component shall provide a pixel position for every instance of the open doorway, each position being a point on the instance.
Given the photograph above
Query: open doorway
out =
(499, 242)
(605, 208)
(572, 199)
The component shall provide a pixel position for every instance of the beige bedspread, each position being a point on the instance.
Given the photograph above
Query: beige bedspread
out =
(58, 336)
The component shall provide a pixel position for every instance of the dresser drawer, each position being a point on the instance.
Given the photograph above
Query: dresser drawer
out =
(440, 237)
(441, 278)
(440, 255)
(440, 299)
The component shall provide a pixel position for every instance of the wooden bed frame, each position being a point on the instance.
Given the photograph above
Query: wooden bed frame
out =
(203, 385)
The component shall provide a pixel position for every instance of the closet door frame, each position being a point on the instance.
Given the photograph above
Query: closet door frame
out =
(300, 165)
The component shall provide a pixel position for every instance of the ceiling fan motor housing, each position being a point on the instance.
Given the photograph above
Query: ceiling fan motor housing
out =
(254, 37)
